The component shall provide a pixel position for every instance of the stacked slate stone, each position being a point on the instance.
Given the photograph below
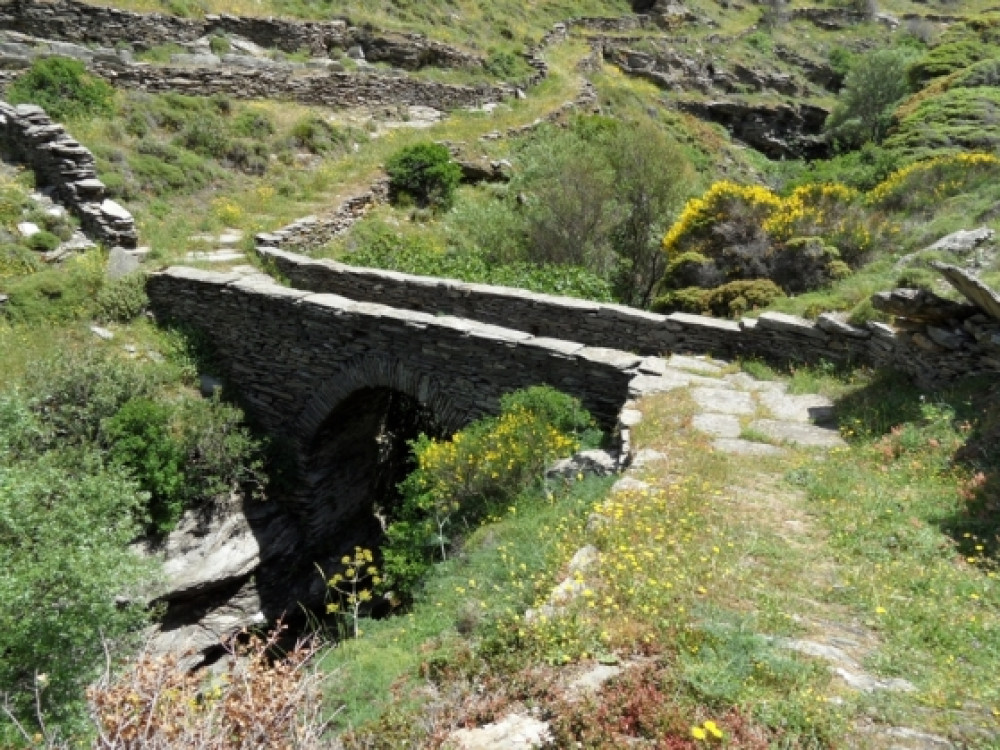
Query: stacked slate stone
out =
(79, 22)
(28, 135)
(329, 89)
(934, 340)
(312, 231)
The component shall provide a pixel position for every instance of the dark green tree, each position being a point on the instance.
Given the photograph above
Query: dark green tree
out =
(424, 174)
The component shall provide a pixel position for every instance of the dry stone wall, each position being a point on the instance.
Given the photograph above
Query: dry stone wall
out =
(28, 135)
(327, 89)
(296, 355)
(775, 337)
(74, 21)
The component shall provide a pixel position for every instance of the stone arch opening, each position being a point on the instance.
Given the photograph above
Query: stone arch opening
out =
(354, 461)
(351, 440)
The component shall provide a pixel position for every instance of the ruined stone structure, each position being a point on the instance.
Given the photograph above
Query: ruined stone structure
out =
(29, 136)
(965, 346)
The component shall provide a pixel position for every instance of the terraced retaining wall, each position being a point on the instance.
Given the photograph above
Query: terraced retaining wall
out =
(28, 135)
(74, 21)
(328, 89)
(925, 352)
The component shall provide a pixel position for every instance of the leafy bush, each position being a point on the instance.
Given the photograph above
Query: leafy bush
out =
(123, 299)
(949, 58)
(219, 45)
(253, 123)
(56, 294)
(63, 88)
(729, 300)
(77, 391)
(736, 232)
(162, 169)
(139, 440)
(317, 136)
(424, 174)
(67, 579)
(875, 83)
(506, 65)
(480, 470)
(861, 169)
(17, 260)
(378, 245)
(42, 242)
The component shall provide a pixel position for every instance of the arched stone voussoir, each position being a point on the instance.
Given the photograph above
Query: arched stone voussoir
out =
(382, 370)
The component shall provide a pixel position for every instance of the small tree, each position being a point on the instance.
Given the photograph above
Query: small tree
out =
(874, 84)
(425, 174)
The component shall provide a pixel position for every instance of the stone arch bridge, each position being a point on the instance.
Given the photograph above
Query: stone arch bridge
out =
(322, 370)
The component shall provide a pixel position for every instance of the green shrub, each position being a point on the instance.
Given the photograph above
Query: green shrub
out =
(949, 58)
(424, 174)
(17, 260)
(162, 169)
(68, 580)
(139, 440)
(377, 245)
(984, 73)
(206, 136)
(730, 300)
(957, 119)
(123, 299)
(75, 392)
(317, 136)
(42, 242)
(480, 470)
(63, 88)
(875, 83)
(56, 294)
(253, 123)
(506, 65)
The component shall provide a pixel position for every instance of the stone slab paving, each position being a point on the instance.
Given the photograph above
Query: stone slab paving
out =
(809, 407)
(695, 364)
(717, 425)
(740, 447)
(809, 435)
(721, 401)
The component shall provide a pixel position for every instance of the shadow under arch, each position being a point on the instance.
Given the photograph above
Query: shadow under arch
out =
(351, 445)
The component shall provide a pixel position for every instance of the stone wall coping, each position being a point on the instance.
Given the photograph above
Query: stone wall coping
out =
(259, 284)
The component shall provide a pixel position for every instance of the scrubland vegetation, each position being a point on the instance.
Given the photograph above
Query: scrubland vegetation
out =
(104, 444)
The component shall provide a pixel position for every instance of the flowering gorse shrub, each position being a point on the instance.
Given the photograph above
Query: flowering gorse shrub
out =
(479, 470)
(745, 232)
(923, 184)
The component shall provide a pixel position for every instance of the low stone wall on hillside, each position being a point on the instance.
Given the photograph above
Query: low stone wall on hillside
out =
(327, 89)
(74, 21)
(28, 135)
(973, 347)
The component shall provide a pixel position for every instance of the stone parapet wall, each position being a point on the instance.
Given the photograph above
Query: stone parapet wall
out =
(29, 136)
(74, 21)
(775, 337)
(295, 355)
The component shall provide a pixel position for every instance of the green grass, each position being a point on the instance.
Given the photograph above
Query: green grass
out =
(501, 570)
